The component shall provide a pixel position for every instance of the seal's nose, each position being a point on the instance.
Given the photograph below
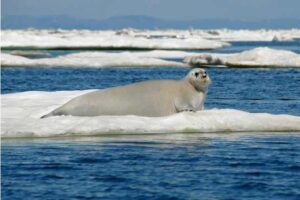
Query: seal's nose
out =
(204, 75)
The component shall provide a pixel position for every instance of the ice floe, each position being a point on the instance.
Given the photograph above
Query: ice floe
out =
(87, 39)
(138, 39)
(100, 59)
(243, 35)
(229, 35)
(257, 57)
(21, 114)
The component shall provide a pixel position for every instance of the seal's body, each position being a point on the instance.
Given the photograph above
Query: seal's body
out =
(149, 98)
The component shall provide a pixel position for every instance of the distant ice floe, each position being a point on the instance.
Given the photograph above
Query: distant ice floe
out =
(138, 39)
(243, 35)
(21, 114)
(87, 39)
(227, 35)
(100, 59)
(257, 57)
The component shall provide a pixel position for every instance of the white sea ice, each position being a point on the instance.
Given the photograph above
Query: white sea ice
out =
(257, 57)
(21, 114)
(229, 35)
(244, 35)
(72, 39)
(99, 59)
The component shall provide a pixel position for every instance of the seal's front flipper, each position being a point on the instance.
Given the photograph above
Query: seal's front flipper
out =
(188, 110)
(185, 109)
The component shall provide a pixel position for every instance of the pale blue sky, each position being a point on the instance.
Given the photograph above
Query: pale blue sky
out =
(165, 9)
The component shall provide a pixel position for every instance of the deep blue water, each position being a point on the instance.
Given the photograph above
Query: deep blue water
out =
(170, 166)
(187, 166)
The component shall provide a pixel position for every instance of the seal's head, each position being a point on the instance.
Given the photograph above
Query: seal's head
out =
(199, 79)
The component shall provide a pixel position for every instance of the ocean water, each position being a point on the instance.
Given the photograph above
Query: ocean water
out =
(180, 166)
(167, 166)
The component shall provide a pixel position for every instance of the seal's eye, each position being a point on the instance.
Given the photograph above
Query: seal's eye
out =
(196, 74)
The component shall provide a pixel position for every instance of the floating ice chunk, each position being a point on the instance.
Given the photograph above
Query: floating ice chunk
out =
(21, 114)
(257, 57)
(99, 59)
(78, 39)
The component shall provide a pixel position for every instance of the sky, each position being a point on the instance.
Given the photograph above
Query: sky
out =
(164, 9)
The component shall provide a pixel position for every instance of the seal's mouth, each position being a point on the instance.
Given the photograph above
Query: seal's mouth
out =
(204, 76)
(206, 79)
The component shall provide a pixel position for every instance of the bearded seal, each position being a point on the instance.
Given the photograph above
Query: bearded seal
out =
(153, 98)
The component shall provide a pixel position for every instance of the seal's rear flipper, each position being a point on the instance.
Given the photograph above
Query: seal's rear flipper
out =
(48, 115)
